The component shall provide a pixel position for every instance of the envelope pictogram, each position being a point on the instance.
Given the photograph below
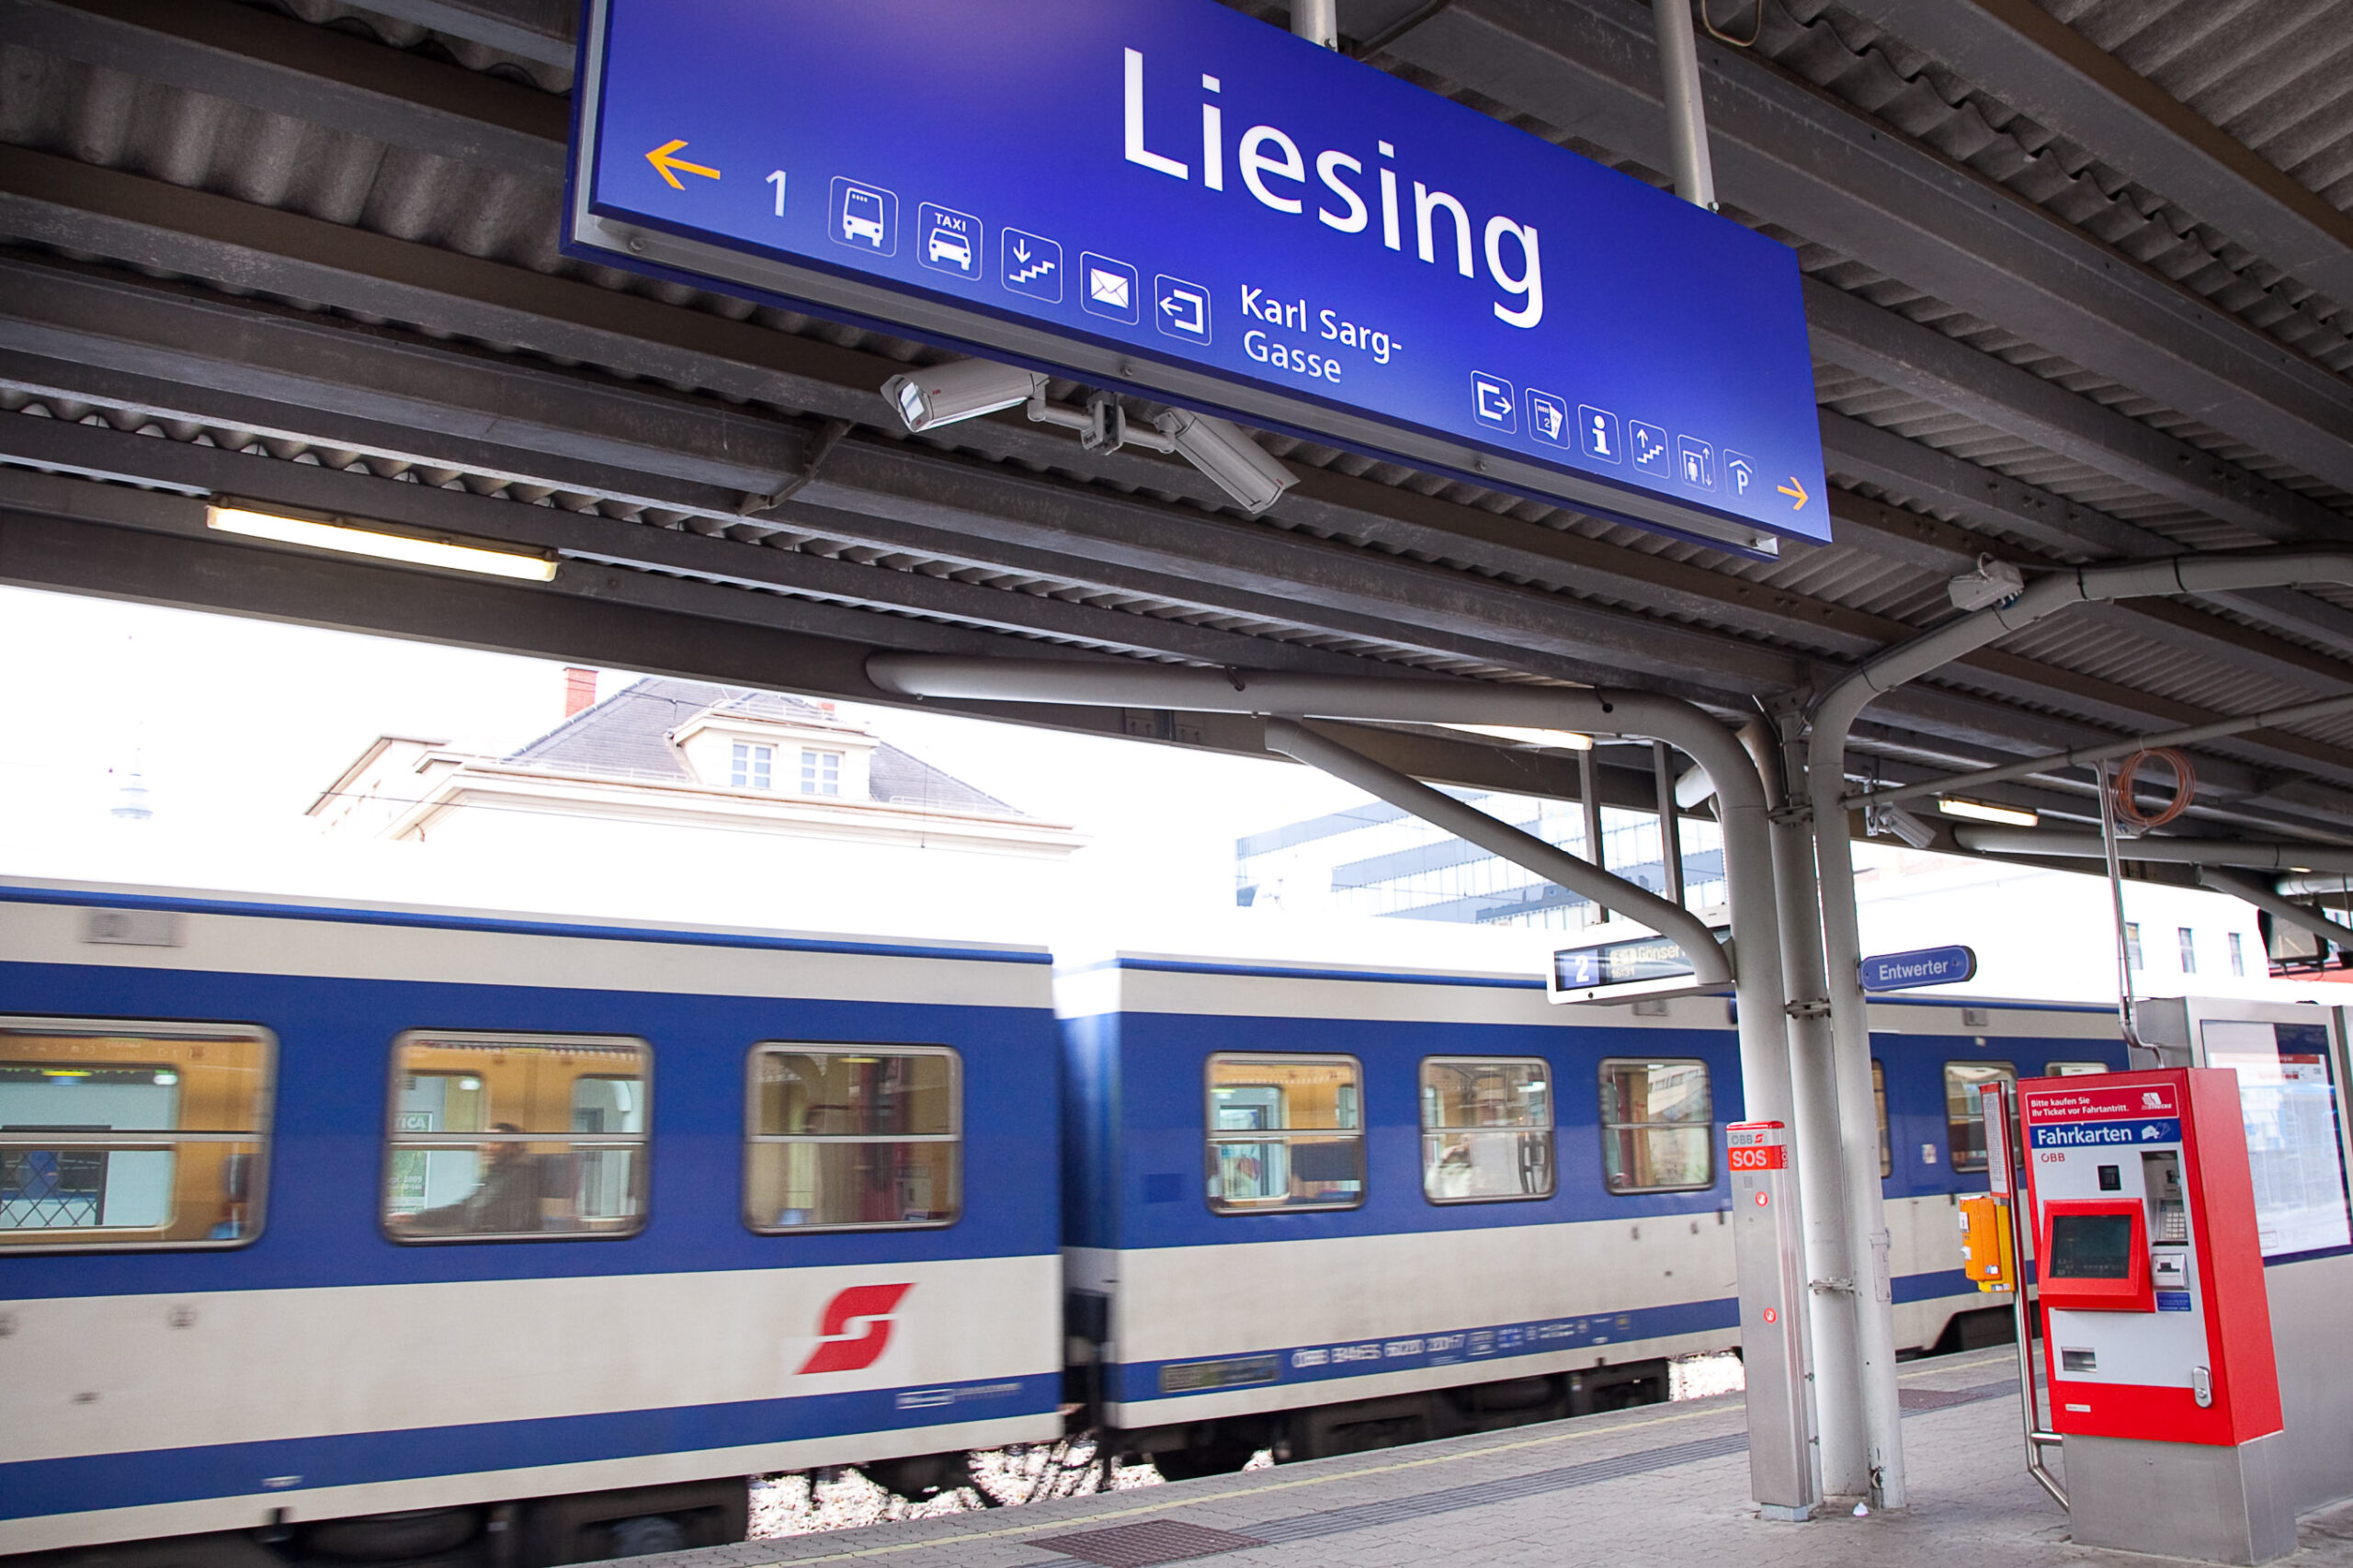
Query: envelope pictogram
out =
(1112, 288)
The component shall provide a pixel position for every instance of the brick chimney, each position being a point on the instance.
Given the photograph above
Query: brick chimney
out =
(579, 690)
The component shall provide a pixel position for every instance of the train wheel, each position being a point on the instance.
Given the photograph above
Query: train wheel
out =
(1188, 1464)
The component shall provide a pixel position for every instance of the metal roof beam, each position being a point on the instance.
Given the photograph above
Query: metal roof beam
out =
(2067, 529)
(320, 74)
(1797, 156)
(338, 368)
(1981, 496)
(434, 389)
(543, 31)
(103, 452)
(1901, 353)
(2229, 788)
(2023, 55)
(2268, 799)
(205, 406)
(1974, 731)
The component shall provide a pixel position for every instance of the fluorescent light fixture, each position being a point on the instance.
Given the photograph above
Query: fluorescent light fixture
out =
(1980, 811)
(352, 540)
(1552, 740)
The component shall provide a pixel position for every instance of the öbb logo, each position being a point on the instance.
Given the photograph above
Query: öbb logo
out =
(2151, 1099)
(855, 1329)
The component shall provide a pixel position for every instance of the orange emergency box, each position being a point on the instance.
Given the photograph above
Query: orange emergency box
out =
(1985, 1241)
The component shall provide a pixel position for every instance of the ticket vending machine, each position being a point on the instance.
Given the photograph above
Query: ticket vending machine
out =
(2157, 1327)
(2292, 1064)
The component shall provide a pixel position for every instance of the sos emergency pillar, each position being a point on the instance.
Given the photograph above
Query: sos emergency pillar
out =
(2156, 1329)
(1784, 1469)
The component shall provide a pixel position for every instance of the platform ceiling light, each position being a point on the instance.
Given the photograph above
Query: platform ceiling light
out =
(412, 549)
(1984, 811)
(1550, 739)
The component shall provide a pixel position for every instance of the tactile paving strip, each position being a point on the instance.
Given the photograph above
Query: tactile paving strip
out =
(1143, 1544)
(1371, 1516)
(1940, 1399)
(1169, 1540)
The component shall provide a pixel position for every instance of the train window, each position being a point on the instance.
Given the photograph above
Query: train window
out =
(132, 1134)
(1965, 1121)
(1879, 1093)
(853, 1137)
(1486, 1130)
(2073, 1069)
(1285, 1132)
(1657, 1127)
(500, 1137)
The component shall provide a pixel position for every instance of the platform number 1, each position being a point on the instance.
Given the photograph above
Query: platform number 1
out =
(777, 179)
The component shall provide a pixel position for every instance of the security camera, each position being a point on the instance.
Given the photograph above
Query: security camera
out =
(1901, 823)
(1992, 583)
(965, 389)
(1237, 464)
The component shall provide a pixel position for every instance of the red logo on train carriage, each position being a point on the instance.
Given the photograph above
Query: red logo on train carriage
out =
(856, 1328)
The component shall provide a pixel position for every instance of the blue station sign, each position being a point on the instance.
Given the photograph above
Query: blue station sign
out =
(1173, 198)
(1928, 966)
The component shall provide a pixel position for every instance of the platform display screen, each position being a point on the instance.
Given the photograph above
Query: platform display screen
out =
(1619, 963)
(2091, 1246)
(2295, 1149)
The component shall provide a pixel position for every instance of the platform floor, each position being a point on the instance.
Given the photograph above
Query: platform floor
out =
(1665, 1484)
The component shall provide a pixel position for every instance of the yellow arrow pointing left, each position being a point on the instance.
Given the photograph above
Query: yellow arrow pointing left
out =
(668, 167)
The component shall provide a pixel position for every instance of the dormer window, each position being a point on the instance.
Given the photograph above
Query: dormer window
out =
(821, 772)
(754, 767)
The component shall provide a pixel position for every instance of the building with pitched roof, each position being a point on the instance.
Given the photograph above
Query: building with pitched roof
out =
(682, 754)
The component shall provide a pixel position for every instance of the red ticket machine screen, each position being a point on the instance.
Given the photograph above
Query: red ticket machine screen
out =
(2091, 1246)
(2095, 1257)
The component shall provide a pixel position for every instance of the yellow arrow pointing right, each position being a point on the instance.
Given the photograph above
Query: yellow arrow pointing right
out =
(664, 165)
(1793, 489)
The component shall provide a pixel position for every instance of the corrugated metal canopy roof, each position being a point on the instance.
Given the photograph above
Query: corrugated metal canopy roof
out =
(246, 240)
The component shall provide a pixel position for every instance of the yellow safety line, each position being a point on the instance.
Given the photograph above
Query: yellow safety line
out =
(961, 1537)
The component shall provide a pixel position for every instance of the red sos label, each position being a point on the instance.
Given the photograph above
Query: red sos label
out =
(1772, 1157)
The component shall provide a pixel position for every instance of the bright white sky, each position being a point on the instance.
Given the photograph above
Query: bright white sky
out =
(236, 726)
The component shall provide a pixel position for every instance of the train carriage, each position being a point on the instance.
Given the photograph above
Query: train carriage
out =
(1332, 1207)
(310, 1211)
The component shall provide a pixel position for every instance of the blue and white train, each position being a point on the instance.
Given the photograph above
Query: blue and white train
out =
(405, 1235)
